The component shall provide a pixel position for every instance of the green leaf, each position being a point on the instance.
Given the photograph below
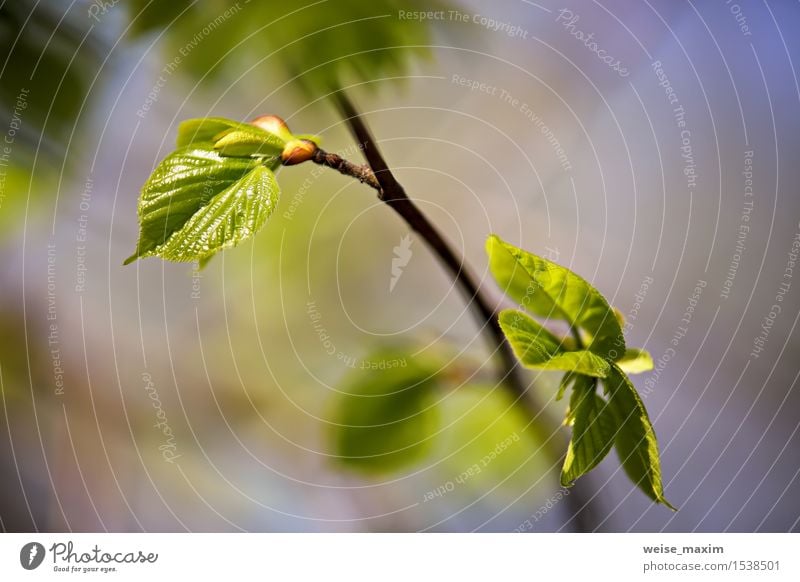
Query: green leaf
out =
(593, 431)
(315, 139)
(636, 440)
(537, 348)
(203, 263)
(550, 290)
(249, 142)
(232, 138)
(566, 381)
(385, 419)
(204, 129)
(635, 361)
(198, 202)
(579, 382)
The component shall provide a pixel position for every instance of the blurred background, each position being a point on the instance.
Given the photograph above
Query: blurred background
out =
(651, 147)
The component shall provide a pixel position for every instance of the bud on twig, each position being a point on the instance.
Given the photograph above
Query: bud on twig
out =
(298, 151)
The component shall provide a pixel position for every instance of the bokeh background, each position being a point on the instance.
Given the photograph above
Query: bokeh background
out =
(497, 117)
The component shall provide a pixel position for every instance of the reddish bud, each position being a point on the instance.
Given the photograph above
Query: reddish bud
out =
(298, 151)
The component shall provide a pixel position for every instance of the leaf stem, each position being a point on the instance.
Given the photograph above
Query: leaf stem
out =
(576, 335)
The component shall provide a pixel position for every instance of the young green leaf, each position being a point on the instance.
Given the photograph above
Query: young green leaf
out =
(593, 430)
(635, 361)
(233, 138)
(579, 382)
(315, 139)
(198, 202)
(635, 440)
(536, 347)
(566, 381)
(201, 130)
(550, 290)
(249, 141)
(385, 419)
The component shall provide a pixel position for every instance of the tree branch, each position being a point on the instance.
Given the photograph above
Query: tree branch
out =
(378, 176)
(397, 199)
(360, 172)
(391, 192)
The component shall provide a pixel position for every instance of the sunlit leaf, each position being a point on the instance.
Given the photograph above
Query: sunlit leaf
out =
(232, 138)
(205, 129)
(248, 143)
(635, 361)
(635, 440)
(552, 291)
(567, 380)
(198, 202)
(536, 347)
(593, 430)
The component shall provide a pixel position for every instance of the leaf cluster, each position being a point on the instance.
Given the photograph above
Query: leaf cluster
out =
(595, 354)
(216, 190)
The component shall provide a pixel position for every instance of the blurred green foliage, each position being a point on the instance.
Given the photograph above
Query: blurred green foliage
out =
(48, 65)
(49, 61)
(324, 44)
(488, 443)
(395, 411)
(385, 417)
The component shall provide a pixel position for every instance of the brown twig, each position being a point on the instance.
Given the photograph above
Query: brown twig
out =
(360, 172)
(393, 194)
(378, 176)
